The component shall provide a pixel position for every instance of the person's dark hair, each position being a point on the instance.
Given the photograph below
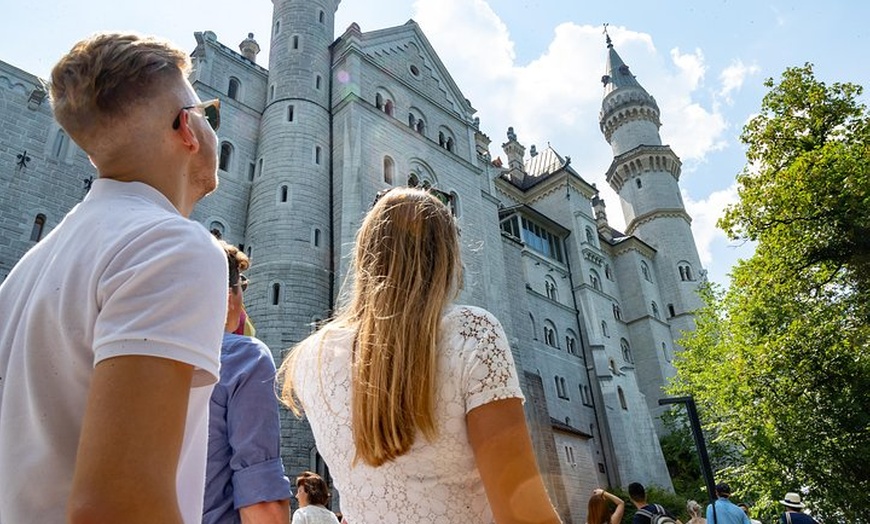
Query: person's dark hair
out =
(315, 487)
(598, 511)
(636, 492)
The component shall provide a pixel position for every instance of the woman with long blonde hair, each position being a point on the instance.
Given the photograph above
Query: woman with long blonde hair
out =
(415, 402)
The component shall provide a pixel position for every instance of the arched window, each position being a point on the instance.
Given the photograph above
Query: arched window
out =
(594, 280)
(318, 153)
(550, 337)
(233, 88)
(617, 312)
(260, 167)
(621, 396)
(604, 330)
(226, 156)
(321, 16)
(571, 343)
(283, 193)
(590, 236)
(534, 327)
(655, 310)
(413, 180)
(449, 144)
(290, 112)
(379, 101)
(644, 269)
(217, 229)
(665, 352)
(38, 227)
(626, 350)
(412, 120)
(318, 80)
(421, 126)
(685, 272)
(277, 29)
(295, 41)
(611, 364)
(316, 237)
(550, 288)
(639, 183)
(671, 312)
(272, 92)
(388, 107)
(276, 294)
(389, 170)
(608, 273)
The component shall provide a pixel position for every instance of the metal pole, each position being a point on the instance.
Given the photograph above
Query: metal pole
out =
(695, 424)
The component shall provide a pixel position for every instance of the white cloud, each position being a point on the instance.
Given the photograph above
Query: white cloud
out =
(705, 212)
(691, 66)
(733, 76)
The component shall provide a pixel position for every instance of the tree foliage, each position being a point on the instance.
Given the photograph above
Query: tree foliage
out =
(779, 363)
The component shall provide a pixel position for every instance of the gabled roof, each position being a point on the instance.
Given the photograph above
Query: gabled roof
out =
(381, 45)
(541, 167)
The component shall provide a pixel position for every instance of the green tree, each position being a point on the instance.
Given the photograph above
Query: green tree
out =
(779, 363)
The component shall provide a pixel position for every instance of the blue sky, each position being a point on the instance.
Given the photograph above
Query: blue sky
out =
(536, 65)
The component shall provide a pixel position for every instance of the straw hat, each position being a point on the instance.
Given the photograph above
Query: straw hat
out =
(792, 500)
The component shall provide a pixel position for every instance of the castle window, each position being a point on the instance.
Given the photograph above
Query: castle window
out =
(61, 144)
(550, 288)
(290, 111)
(217, 229)
(317, 81)
(639, 183)
(534, 327)
(594, 280)
(621, 396)
(226, 156)
(685, 272)
(608, 273)
(276, 294)
(38, 227)
(665, 352)
(233, 88)
(644, 269)
(611, 364)
(590, 237)
(413, 181)
(388, 107)
(379, 101)
(283, 193)
(295, 41)
(655, 310)
(317, 154)
(571, 343)
(626, 350)
(617, 312)
(252, 170)
(389, 170)
(421, 126)
(671, 312)
(272, 92)
(604, 330)
(561, 390)
(321, 16)
(277, 29)
(316, 237)
(541, 240)
(550, 334)
(260, 167)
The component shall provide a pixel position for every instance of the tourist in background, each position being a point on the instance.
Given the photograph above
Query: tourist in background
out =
(313, 495)
(694, 511)
(726, 511)
(599, 512)
(793, 513)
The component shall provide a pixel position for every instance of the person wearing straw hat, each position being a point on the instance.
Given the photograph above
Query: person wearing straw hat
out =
(793, 513)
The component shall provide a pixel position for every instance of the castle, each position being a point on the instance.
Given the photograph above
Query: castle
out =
(592, 313)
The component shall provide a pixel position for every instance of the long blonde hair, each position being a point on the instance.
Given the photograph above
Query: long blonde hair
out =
(406, 270)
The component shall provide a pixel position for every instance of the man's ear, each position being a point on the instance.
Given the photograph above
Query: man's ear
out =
(185, 131)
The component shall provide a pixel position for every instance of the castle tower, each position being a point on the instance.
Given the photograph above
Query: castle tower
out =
(289, 224)
(645, 175)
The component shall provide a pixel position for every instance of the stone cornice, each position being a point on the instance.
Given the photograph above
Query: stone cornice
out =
(642, 159)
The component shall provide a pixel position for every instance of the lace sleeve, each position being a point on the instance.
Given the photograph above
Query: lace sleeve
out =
(490, 373)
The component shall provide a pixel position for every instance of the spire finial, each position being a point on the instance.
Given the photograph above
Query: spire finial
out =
(607, 35)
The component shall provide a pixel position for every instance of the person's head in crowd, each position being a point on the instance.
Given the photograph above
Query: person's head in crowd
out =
(693, 509)
(637, 493)
(723, 490)
(598, 509)
(311, 489)
(237, 262)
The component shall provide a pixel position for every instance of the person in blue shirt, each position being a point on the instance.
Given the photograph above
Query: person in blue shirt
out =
(245, 480)
(726, 511)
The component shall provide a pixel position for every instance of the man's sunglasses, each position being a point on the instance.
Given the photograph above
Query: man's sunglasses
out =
(210, 109)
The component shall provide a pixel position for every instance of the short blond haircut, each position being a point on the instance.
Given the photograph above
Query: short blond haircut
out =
(407, 268)
(105, 74)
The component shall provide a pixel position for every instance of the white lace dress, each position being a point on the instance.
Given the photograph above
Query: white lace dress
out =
(435, 482)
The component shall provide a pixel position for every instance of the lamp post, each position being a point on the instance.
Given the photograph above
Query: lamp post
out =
(695, 424)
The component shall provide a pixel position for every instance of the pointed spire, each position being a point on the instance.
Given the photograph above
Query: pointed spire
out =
(617, 74)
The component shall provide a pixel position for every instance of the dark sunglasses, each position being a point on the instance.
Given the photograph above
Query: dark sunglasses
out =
(210, 109)
(243, 282)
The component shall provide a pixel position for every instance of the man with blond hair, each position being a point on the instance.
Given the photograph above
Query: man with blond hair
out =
(111, 330)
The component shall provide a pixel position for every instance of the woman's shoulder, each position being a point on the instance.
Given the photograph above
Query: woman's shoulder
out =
(469, 316)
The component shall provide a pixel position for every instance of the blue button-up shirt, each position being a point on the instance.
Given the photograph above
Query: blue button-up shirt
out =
(726, 513)
(244, 438)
